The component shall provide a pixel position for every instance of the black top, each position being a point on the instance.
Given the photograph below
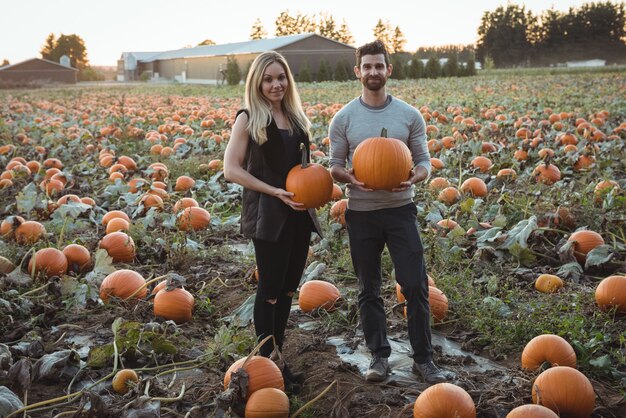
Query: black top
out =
(293, 155)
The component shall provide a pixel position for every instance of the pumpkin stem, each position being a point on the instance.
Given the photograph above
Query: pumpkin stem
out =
(383, 133)
(144, 285)
(305, 161)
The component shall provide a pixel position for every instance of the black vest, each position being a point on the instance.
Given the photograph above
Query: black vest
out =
(263, 216)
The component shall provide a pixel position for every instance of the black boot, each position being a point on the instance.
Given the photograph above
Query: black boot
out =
(296, 377)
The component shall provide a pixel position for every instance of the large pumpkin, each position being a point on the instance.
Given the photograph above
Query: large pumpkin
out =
(316, 294)
(78, 257)
(122, 284)
(585, 241)
(310, 183)
(475, 187)
(382, 163)
(49, 261)
(119, 246)
(262, 373)
(176, 305)
(194, 218)
(29, 232)
(611, 292)
(547, 173)
(532, 411)
(268, 403)
(438, 303)
(444, 400)
(566, 391)
(548, 347)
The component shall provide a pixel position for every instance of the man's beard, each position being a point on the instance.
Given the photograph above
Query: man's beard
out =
(374, 83)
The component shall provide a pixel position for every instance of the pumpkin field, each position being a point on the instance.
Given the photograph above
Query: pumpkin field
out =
(126, 288)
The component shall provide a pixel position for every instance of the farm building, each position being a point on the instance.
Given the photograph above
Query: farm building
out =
(37, 70)
(207, 64)
(587, 63)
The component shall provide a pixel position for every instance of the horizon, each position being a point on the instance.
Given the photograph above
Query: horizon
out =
(113, 27)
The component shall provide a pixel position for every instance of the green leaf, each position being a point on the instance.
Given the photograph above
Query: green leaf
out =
(522, 254)
(520, 233)
(602, 362)
(598, 256)
(571, 270)
(115, 326)
(28, 199)
(71, 209)
(103, 266)
(100, 356)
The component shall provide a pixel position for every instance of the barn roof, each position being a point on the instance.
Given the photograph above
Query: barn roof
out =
(247, 47)
(6, 67)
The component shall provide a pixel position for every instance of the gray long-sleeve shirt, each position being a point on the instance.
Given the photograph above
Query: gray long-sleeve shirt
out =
(356, 122)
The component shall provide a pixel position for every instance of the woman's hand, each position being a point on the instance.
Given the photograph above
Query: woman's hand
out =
(286, 196)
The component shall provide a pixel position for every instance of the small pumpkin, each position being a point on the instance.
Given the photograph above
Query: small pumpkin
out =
(310, 183)
(268, 403)
(337, 192)
(124, 380)
(9, 225)
(482, 164)
(603, 188)
(449, 195)
(438, 183)
(117, 224)
(444, 400)
(176, 305)
(611, 292)
(548, 283)
(316, 294)
(78, 257)
(183, 203)
(400, 295)
(114, 214)
(338, 211)
(565, 391)
(475, 187)
(29, 232)
(262, 373)
(382, 163)
(194, 218)
(122, 284)
(119, 246)
(438, 303)
(184, 183)
(532, 411)
(506, 174)
(547, 173)
(49, 261)
(548, 348)
(585, 241)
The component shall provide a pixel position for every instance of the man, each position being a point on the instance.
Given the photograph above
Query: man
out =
(376, 218)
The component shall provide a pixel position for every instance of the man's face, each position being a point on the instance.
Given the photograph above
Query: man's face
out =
(373, 71)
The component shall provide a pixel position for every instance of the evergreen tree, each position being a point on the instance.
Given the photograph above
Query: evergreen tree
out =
(382, 32)
(257, 31)
(451, 67)
(305, 24)
(48, 48)
(233, 73)
(71, 45)
(470, 67)
(398, 41)
(433, 68)
(342, 71)
(304, 76)
(285, 24)
(5, 62)
(327, 27)
(345, 36)
(416, 67)
(399, 64)
(324, 72)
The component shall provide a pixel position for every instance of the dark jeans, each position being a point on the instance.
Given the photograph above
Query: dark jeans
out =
(280, 266)
(369, 231)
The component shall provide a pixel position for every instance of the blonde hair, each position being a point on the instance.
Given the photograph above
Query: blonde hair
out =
(260, 114)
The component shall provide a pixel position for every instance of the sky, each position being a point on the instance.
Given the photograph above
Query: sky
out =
(110, 27)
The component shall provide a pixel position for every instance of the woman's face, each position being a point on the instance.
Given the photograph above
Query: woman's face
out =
(275, 83)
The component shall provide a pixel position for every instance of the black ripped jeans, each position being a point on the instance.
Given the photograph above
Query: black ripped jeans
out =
(280, 266)
(369, 231)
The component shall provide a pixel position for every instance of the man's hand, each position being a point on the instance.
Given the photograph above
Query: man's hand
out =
(417, 174)
(342, 175)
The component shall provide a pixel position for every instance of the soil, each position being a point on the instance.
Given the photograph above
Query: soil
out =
(228, 284)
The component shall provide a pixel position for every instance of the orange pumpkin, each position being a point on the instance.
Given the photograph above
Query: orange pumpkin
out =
(585, 241)
(78, 257)
(117, 224)
(176, 305)
(337, 192)
(267, 403)
(9, 225)
(114, 214)
(338, 211)
(123, 380)
(438, 303)
(194, 218)
(183, 203)
(565, 391)
(475, 187)
(449, 195)
(603, 188)
(29, 232)
(184, 183)
(547, 173)
(611, 292)
(262, 373)
(310, 183)
(482, 164)
(119, 246)
(444, 400)
(316, 294)
(49, 261)
(532, 411)
(548, 283)
(122, 284)
(382, 163)
(548, 348)
(506, 174)
(438, 184)
(127, 162)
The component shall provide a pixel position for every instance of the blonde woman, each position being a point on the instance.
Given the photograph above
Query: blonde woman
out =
(264, 146)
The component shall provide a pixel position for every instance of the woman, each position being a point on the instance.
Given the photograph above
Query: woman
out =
(264, 145)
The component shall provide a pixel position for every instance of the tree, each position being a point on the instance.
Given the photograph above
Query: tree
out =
(71, 45)
(257, 31)
(207, 42)
(503, 35)
(327, 27)
(233, 73)
(416, 67)
(398, 41)
(345, 36)
(324, 73)
(382, 32)
(304, 75)
(342, 71)
(5, 62)
(433, 68)
(399, 63)
(451, 67)
(285, 24)
(469, 69)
